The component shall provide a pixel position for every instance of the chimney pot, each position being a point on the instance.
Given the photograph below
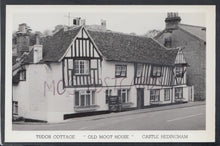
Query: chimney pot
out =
(172, 20)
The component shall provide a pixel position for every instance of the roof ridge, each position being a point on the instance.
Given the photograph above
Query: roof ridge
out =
(122, 33)
(192, 25)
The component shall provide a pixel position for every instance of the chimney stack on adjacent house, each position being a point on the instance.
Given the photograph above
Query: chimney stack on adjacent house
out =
(37, 51)
(172, 20)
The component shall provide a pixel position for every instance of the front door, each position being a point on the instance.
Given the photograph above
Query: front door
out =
(140, 98)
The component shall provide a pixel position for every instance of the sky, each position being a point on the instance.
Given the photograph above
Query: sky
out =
(126, 19)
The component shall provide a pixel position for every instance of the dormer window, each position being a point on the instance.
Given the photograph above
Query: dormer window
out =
(156, 71)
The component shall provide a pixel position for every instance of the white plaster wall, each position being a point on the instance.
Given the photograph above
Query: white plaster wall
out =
(31, 103)
(20, 93)
(185, 93)
(146, 97)
(108, 74)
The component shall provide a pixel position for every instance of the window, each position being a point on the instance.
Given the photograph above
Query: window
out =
(156, 71)
(14, 107)
(155, 95)
(179, 71)
(166, 94)
(107, 94)
(139, 70)
(168, 42)
(81, 67)
(179, 93)
(123, 95)
(84, 98)
(22, 75)
(120, 70)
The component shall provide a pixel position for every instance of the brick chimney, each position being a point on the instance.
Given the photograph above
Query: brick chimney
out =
(172, 20)
(37, 51)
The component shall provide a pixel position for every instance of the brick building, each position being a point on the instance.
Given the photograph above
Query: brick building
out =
(193, 41)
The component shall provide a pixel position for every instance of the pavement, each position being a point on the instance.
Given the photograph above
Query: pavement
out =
(190, 116)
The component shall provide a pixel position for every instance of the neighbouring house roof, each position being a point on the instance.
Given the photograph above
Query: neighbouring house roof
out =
(129, 48)
(113, 46)
(197, 31)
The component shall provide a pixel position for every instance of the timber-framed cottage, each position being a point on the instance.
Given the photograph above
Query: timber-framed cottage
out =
(79, 70)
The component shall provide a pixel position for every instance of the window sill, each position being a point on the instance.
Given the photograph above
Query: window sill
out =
(89, 108)
(156, 102)
(121, 76)
(180, 99)
(128, 104)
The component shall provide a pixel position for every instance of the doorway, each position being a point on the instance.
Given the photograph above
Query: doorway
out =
(140, 98)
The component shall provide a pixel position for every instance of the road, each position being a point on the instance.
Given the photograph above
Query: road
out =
(184, 118)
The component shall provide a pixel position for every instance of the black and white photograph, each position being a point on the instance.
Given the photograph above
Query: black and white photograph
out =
(110, 73)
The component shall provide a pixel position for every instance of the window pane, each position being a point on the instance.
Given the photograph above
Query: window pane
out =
(76, 66)
(87, 99)
(178, 92)
(81, 67)
(93, 97)
(118, 70)
(123, 97)
(82, 97)
(77, 98)
(119, 93)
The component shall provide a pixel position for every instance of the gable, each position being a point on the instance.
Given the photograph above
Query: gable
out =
(82, 46)
(180, 59)
(197, 31)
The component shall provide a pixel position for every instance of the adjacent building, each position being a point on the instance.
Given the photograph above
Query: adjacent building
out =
(80, 70)
(193, 41)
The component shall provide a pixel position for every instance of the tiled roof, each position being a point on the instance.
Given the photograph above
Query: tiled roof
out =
(197, 31)
(112, 45)
(54, 47)
(130, 48)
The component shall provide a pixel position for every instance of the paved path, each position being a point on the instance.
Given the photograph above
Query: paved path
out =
(188, 116)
